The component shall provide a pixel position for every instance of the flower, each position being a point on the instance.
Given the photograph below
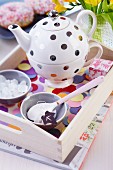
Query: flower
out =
(69, 0)
(103, 8)
(92, 2)
(59, 7)
(111, 1)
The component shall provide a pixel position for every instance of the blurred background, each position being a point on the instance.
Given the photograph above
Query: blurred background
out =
(4, 1)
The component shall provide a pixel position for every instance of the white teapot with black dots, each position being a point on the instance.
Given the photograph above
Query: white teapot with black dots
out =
(57, 47)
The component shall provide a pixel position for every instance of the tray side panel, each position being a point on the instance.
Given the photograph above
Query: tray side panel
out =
(85, 115)
(29, 137)
(12, 60)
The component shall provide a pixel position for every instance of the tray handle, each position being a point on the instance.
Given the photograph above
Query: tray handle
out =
(20, 124)
(24, 126)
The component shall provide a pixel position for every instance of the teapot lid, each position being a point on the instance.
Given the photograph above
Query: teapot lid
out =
(54, 22)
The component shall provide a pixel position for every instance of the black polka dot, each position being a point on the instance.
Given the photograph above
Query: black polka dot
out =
(69, 33)
(64, 46)
(53, 57)
(80, 38)
(66, 67)
(62, 18)
(39, 66)
(45, 23)
(77, 52)
(57, 24)
(64, 79)
(76, 27)
(53, 37)
(76, 70)
(31, 52)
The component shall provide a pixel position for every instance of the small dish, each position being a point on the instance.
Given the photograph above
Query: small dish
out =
(19, 76)
(30, 101)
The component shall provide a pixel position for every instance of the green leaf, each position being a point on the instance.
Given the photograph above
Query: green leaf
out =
(99, 8)
(108, 17)
(111, 16)
(95, 9)
(82, 3)
(111, 7)
(108, 1)
(105, 6)
(88, 6)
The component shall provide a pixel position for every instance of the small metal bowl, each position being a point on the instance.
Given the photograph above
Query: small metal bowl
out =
(47, 97)
(19, 76)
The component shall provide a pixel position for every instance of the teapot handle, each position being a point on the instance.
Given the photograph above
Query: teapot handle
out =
(88, 12)
(97, 56)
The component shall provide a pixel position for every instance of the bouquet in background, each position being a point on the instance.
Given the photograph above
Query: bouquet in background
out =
(102, 8)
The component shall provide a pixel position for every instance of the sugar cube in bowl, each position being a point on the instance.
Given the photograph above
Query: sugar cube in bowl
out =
(14, 86)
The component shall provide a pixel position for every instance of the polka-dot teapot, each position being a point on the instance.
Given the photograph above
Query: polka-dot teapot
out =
(57, 47)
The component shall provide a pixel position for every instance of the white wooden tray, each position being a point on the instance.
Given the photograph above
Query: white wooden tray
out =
(39, 141)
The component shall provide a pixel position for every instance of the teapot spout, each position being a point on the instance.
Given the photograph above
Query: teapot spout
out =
(22, 37)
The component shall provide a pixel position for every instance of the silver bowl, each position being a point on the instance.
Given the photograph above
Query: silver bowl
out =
(19, 76)
(47, 97)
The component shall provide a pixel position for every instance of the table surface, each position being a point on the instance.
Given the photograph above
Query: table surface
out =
(99, 157)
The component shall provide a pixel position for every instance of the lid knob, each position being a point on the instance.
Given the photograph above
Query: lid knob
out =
(53, 14)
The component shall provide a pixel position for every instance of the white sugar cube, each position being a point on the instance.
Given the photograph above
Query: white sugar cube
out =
(5, 92)
(7, 82)
(2, 85)
(22, 88)
(23, 82)
(12, 88)
(14, 81)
